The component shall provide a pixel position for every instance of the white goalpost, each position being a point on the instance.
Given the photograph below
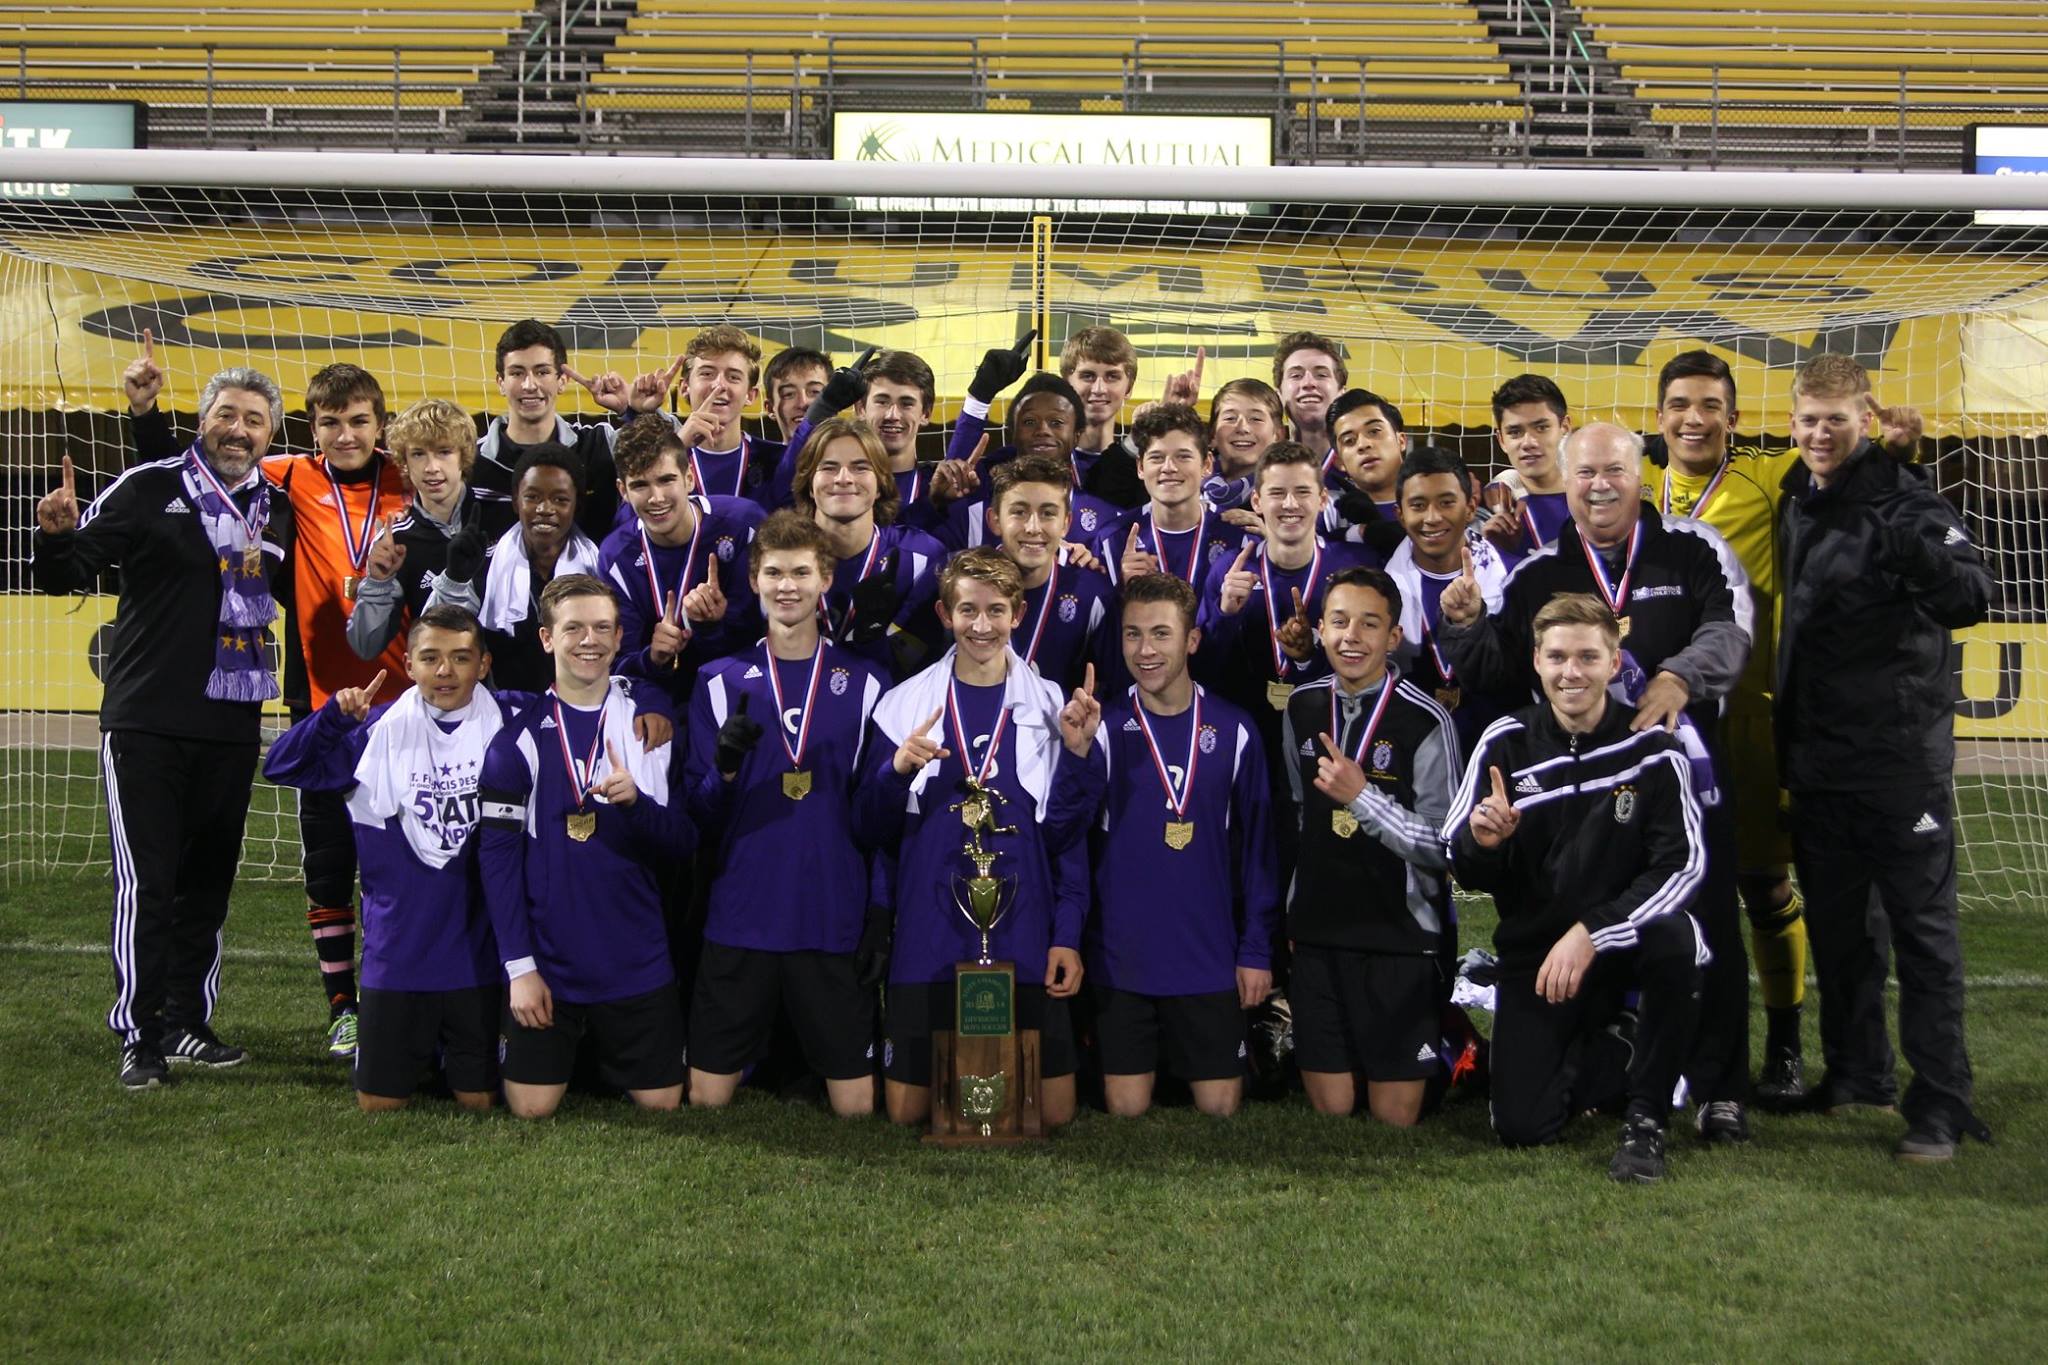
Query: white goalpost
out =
(1439, 283)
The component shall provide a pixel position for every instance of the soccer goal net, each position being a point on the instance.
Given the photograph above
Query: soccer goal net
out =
(1438, 285)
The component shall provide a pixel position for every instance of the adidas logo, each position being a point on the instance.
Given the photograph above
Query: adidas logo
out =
(753, 671)
(178, 505)
(1955, 536)
(1308, 748)
(1426, 1053)
(1528, 786)
(1926, 825)
(547, 723)
(1131, 724)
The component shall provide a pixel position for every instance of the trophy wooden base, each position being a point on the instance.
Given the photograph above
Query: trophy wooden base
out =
(985, 1069)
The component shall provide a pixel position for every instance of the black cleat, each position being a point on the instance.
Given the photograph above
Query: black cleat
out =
(1781, 1085)
(142, 1067)
(1927, 1142)
(1722, 1121)
(200, 1047)
(1639, 1160)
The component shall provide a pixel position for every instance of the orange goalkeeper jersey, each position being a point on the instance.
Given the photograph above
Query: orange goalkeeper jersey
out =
(333, 522)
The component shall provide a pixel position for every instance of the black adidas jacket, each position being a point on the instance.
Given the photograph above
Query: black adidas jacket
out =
(1878, 570)
(1610, 831)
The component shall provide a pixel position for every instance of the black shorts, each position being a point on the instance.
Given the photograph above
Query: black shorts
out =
(739, 990)
(399, 1035)
(1201, 1036)
(916, 1010)
(637, 1042)
(1371, 1012)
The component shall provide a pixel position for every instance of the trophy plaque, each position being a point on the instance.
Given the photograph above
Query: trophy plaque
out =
(985, 1068)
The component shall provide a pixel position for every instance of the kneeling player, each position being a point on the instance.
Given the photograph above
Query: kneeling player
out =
(1181, 942)
(1588, 836)
(1003, 728)
(789, 921)
(1371, 760)
(574, 817)
(409, 770)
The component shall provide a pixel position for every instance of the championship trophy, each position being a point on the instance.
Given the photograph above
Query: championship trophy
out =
(985, 1069)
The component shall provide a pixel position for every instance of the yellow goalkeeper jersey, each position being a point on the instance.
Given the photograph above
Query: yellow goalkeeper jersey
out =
(1740, 500)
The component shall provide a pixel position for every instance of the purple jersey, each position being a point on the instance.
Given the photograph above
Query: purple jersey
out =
(1241, 646)
(1186, 887)
(424, 926)
(1543, 516)
(569, 879)
(790, 877)
(887, 588)
(750, 471)
(1043, 803)
(966, 522)
(724, 530)
(1188, 555)
(1066, 624)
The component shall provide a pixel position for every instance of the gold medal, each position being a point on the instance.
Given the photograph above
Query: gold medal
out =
(796, 785)
(252, 558)
(1277, 694)
(1450, 697)
(582, 824)
(1624, 627)
(351, 586)
(1343, 823)
(1179, 834)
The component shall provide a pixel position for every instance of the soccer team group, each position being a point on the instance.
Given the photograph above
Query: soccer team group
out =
(650, 737)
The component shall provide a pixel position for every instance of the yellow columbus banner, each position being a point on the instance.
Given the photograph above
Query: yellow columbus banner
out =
(1434, 325)
(53, 665)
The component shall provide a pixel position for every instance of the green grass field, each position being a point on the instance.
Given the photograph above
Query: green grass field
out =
(254, 1212)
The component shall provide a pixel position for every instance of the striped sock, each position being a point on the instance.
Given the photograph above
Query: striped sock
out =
(334, 939)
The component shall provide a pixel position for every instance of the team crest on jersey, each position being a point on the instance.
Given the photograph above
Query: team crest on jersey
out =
(1088, 518)
(1216, 547)
(1624, 805)
(1070, 607)
(725, 549)
(1382, 757)
(1208, 739)
(840, 678)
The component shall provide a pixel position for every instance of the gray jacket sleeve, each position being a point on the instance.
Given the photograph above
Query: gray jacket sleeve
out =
(380, 603)
(1415, 835)
(1286, 757)
(450, 593)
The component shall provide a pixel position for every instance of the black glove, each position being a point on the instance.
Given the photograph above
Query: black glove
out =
(874, 604)
(1000, 368)
(845, 386)
(466, 553)
(871, 958)
(1357, 508)
(737, 738)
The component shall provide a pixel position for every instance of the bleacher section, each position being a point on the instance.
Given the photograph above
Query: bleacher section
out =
(1420, 62)
(1829, 66)
(278, 66)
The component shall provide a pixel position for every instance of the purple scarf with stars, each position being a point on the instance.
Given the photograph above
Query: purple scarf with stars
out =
(240, 672)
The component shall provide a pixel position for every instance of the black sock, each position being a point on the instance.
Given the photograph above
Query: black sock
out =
(1781, 1028)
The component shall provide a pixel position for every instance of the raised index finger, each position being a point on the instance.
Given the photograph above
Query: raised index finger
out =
(611, 753)
(980, 449)
(70, 478)
(1244, 552)
(148, 345)
(1024, 342)
(377, 683)
(1299, 609)
(573, 377)
(865, 357)
(1500, 787)
(1465, 562)
(932, 720)
(1201, 354)
(1089, 685)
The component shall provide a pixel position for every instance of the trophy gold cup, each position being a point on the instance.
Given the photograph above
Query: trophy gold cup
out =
(984, 1069)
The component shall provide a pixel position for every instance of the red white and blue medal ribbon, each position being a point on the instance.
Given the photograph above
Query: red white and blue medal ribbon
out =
(355, 541)
(803, 726)
(1201, 531)
(1699, 504)
(1177, 802)
(1308, 593)
(580, 784)
(654, 578)
(1046, 607)
(1372, 724)
(995, 738)
(1614, 594)
(255, 532)
(739, 478)
(867, 566)
(1529, 520)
